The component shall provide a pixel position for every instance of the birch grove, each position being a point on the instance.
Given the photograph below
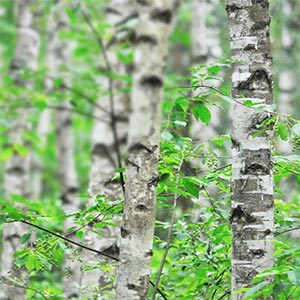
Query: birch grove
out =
(252, 180)
(135, 164)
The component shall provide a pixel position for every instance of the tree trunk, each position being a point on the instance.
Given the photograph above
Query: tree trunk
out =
(16, 176)
(59, 54)
(252, 179)
(152, 32)
(288, 81)
(106, 156)
(205, 38)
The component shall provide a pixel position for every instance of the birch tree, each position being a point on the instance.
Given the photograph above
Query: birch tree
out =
(205, 49)
(252, 179)
(16, 177)
(59, 59)
(109, 138)
(288, 73)
(152, 32)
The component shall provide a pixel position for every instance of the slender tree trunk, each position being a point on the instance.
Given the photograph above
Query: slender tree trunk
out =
(16, 177)
(252, 179)
(43, 129)
(287, 81)
(108, 147)
(205, 50)
(205, 38)
(59, 55)
(152, 32)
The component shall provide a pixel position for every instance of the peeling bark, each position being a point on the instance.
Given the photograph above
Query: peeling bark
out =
(252, 179)
(152, 32)
(16, 173)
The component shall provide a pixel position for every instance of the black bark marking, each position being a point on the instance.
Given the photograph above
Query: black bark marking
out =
(239, 215)
(258, 253)
(140, 146)
(146, 39)
(124, 232)
(133, 164)
(131, 286)
(102, 151)
(111, 10)
(141, 207)
(153, 181)
(257, 162)
(267, 232)
(164, 16)
(149, 253)
(66, 196)
(235, 142)
(113, 250)
(143, 2)
(259, 80)
(16, 170)
(152, 80)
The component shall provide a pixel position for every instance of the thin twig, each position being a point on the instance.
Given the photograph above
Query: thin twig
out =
(288, 169)
(233, 99)
(68, 240)
(63, 85)
(19, 285)
(287, 230)
(168, 241)
(92, 222)
(76, 111)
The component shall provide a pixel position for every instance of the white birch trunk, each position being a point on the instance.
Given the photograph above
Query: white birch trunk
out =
(59, 54)
(16, 176)
(287, 82)
(105, 160)
(252, 179)
(206, 49)
(152, 32)
(36, 167)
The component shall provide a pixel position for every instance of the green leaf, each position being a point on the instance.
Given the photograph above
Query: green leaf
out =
(79, 234)
(25, 238)
(214, 69)
(32, 262)
(282, 131)
(22, 150)
(203, 113)
(7, 153)
(191, 187)
(81, 51)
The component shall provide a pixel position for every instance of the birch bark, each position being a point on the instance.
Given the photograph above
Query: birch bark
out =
(105, 156)
(16, 176)
(59, 55)
(252, 179)
(152, 32)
